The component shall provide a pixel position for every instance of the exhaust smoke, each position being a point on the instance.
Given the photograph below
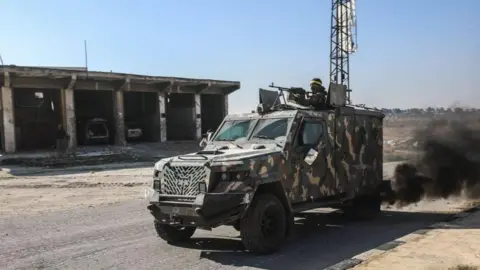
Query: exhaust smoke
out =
(449, 164)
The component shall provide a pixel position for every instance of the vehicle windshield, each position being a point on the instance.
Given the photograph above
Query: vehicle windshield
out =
(235, 129)
(271, 129)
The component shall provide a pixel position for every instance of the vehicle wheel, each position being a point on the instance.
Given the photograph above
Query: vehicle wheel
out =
(173, 234)
(264, 226)
(365, 207)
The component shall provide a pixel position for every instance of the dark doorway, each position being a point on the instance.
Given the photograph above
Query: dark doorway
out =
(142, 122)
(94, 114)
(213, 107)
(180, 111)
(37, 114)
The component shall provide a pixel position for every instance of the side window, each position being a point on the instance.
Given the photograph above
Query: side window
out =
(310, 133)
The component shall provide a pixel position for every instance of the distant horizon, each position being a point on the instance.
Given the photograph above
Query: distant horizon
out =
(403, 109)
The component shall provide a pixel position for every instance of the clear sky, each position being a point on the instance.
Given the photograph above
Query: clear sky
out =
(412, 53)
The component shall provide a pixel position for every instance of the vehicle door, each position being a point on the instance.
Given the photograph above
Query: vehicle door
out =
(310, 159)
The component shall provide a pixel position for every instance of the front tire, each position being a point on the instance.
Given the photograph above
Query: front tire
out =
(263, 228)
(173, 234)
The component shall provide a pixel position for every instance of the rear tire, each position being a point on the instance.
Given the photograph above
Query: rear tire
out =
(264, 226)
(173, 234)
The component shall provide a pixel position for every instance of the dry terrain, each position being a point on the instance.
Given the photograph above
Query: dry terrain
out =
(51, 191)
(399, 143)
(81, 227)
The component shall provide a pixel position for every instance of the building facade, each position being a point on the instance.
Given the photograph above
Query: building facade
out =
(96, 107)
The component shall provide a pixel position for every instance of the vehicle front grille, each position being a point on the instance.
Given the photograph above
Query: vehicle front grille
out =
(183, 180)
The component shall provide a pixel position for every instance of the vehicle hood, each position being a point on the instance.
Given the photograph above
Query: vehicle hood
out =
(214, 157)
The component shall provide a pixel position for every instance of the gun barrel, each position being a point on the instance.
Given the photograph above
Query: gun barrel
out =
(279, 87)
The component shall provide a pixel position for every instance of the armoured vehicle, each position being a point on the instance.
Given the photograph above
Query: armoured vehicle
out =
(258, 170)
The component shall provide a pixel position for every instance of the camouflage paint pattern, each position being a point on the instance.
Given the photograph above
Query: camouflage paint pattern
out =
(355, 165)
(349, 158)
(360, 152)
(251, 173)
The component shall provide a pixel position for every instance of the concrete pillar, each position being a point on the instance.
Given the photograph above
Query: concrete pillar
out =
(163, 117)
(8, 120)
(69, 118)
(225, 105)
(119, 121)
(198, 116)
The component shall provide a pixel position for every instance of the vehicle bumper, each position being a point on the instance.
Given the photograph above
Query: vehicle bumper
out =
(203, 210)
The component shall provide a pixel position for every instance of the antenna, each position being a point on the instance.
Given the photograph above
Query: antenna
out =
(86, 56)
(343, 41)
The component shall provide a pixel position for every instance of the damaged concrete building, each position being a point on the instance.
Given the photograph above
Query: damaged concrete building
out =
(105, 107)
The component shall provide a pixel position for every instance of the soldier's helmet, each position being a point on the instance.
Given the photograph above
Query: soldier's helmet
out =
(315, 81)
(316, 85)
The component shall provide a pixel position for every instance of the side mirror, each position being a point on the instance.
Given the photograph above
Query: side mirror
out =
(209, 135)
(205, 135)
(206, 138)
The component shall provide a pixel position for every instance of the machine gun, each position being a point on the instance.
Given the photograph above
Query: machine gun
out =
(296, 95)
(298, 98)
(301, 97)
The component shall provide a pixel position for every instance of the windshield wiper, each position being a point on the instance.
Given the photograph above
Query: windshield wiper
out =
(263, 137)
(230, 141)
(268, 138)
(237, 145)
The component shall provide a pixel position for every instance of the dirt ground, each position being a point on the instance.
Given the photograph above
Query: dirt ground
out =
(50, 191)
(104, 224)
(33, 185)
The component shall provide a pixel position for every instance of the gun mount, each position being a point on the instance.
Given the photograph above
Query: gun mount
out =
(299, 98)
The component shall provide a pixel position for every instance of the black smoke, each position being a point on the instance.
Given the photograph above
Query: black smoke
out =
(449, 164)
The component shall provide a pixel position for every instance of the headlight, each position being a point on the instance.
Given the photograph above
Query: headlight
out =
(157, 185)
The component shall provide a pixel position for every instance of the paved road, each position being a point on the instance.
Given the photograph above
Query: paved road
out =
(121, 236)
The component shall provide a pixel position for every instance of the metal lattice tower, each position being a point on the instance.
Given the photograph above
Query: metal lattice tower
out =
(343, 42)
